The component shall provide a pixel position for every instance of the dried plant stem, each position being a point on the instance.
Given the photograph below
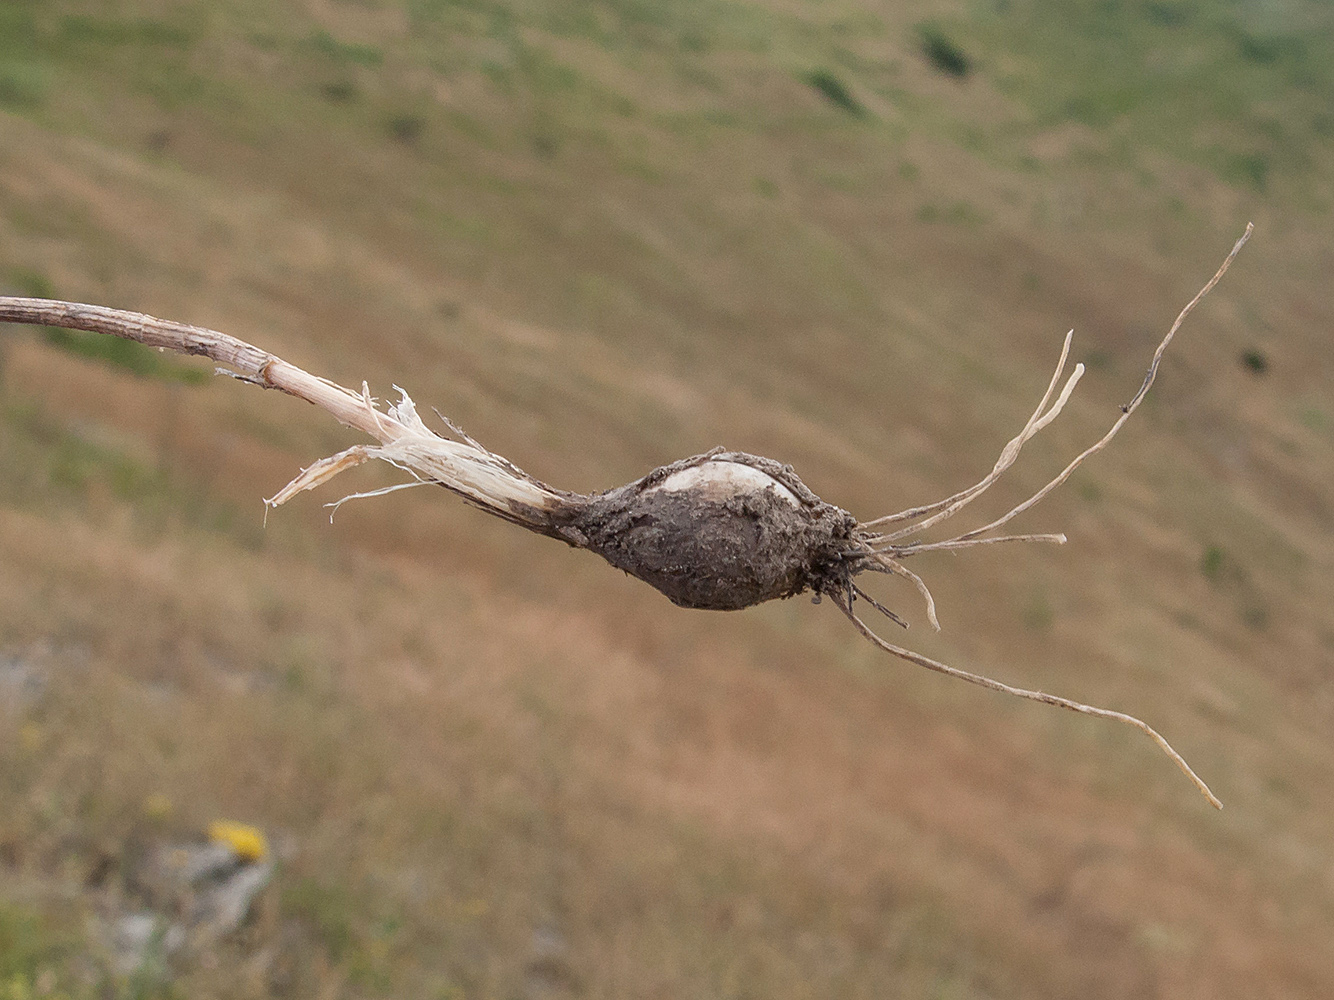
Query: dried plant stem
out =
(464, 467)
(254, 365)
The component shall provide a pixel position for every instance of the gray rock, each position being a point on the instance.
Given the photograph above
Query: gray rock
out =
(208, 888)
(22, 682)
(137, 940)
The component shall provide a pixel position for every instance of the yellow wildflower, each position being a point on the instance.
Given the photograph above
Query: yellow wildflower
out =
(247, 841)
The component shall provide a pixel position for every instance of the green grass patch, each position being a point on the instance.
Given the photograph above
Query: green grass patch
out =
(345, 52)
(44, 462)
(27, 948)
(1254, 361)
(18, 30)
(833, 90)
(33, 284)
(142, 361)
(1168, 15)
(144, 55)
(958, 213)
(1270, 50)
(1236, 88)
(1255, 616)
(1038, 614)
(329, 910)
(74, 464)
(126, 354)
(943, 52)
(406, 128)
(1246, 170)
(1313, 418)
(340, 91)
(132, 33)
(23, 85)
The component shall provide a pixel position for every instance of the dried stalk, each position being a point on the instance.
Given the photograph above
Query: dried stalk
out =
(465, 467)
(723, 530)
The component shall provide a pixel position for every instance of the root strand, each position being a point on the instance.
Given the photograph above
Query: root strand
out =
(1042, 696)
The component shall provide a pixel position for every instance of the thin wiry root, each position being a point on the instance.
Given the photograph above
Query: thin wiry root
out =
(334, 505)
(942, 509)
(1126, 410)
(882, 563)
(880, 553)
(876, 545)
(858, 592)
(1042, 696)
(1042, 416)
(903, 551)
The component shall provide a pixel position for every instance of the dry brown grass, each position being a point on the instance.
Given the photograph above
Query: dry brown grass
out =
(464, 736)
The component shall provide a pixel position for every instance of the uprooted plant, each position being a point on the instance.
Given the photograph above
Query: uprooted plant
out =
(722, 531)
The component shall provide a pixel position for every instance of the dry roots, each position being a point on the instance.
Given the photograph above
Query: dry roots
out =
(720, 531)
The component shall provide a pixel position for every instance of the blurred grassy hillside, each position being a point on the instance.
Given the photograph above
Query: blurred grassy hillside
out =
(602, 236)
